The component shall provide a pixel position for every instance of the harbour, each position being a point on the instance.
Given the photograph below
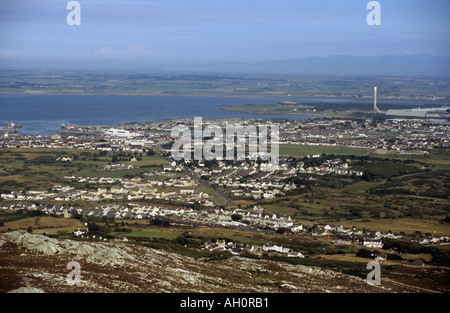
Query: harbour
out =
(45, 114)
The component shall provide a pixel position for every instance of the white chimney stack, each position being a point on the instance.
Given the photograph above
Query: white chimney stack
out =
(375, 109)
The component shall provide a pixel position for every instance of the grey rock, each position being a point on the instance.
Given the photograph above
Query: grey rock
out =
(27, 290)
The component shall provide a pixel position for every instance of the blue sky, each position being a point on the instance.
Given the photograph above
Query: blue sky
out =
(151, 33)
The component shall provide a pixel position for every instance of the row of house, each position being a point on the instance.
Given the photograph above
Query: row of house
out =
(236, 248)
(218, 217)
(134, 189)
(399, 135)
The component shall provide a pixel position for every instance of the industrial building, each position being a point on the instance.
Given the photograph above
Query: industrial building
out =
(442, 112)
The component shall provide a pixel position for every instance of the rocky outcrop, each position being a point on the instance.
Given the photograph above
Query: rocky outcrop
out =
(102, 254)
(27, 290)
(40, 261)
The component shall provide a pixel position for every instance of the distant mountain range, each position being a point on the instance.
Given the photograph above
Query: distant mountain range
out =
(411, 65)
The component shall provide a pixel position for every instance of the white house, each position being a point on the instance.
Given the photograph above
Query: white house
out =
(295, 255)
(373, 243)
(80, 232)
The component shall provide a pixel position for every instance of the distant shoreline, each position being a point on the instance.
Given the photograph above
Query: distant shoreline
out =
(313, 115)
(381, 100)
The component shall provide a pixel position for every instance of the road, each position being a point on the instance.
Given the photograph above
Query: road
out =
(224, 196)
(188, 172)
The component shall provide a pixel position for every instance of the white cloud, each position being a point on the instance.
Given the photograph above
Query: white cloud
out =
(7, 53)
(131, 51)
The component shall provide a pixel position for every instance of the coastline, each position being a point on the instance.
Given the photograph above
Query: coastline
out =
(313, 115)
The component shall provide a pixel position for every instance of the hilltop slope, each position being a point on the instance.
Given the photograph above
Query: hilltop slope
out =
(30, 260)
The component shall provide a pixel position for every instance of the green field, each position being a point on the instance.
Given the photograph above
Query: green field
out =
(361, 186)
(300, 151)
(39, 168)
(153, 233)
(278, 108)
(439, 159)
(213, 196)
(46, 224)
(406, 225)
